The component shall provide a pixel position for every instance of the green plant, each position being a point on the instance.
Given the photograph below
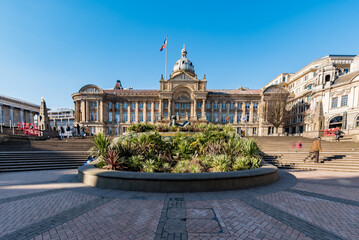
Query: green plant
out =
(101, 163)
(112, 159)
(101, 145)
(149, 166)
(221, 163)
(181, 167)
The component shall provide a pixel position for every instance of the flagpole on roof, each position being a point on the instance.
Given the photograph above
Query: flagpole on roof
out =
(166, 58)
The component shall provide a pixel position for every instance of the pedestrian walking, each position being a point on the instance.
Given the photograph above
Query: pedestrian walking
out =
(316, 148)
(78, 129)
(299, 145)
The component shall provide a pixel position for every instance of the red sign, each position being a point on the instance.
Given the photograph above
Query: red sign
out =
(28, 128)
(330, 131)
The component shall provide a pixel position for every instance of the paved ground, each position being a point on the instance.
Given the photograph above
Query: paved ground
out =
(301, 205)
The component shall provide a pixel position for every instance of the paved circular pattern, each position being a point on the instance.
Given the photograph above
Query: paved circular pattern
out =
(300, 205)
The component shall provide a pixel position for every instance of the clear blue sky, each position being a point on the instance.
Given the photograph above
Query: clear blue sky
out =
(51, 48)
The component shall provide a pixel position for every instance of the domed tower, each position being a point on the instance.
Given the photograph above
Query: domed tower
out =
(183, 65)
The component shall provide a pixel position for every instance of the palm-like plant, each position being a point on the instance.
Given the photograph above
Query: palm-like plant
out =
(112, 159)
(101, 145)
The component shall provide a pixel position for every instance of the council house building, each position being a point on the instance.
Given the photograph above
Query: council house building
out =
(111, 111)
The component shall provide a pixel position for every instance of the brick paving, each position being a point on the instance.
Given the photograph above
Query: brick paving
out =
(301, 205)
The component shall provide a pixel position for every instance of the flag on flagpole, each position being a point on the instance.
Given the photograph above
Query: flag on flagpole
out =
(244, 118)
(227, 118)
(164, 45)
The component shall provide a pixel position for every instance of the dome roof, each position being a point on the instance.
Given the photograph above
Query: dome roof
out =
(183, 64)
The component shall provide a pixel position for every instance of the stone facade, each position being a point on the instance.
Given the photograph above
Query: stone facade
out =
(14, 110)
(111, 111)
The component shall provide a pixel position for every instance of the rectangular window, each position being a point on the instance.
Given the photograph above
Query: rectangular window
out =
(133, 105)
(140, 105)
(215, 117)
(177, 105)
(199, 114)
(344, 100)
(140, 117)
(110, 117)
(216, 105)
(208, 117)
(110, 105)
(125, 105)
(182, 114)
(118, 105)
(92, 116)
(334, 102)
(283, 79)
(224, 117)
(165, 114)
(91, 104)
(148, 105)
(157, 105)
(239, 105)
(208, 105)
(254, 131)
(199, 104)
(109, 130)
(224, 105)
(183, 105)
(188, 106)
(95, 116)
(133, 117)
(231, 106)
(247, 117)
(148, 117)
(165, 104)
(231, 117)
(118, 117)
(156, 117)
(125, 117)
(255, 105)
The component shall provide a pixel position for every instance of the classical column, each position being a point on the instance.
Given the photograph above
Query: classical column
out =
(194, 109)
(169, 109)
(220, 112)
(152, 112)
(11, 116)
(128, 112)
(212, 111)
(21, 115)
(160, 110)
(83, 111)
(136, 112)
(1, 115)
(251, 113)
(113, 113)
(87, 110)
(101, 111)
(228, 108)
(31, 118)
(235, 120)
(204, 109)
(144, 111)
(98, 110)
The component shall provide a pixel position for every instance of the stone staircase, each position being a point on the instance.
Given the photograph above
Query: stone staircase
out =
(28, 155)
(336, 156)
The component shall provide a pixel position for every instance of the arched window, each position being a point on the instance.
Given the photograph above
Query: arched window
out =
(336, 122)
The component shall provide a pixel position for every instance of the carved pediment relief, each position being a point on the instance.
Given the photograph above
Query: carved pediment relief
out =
(341, 92)
(90, 89)
(182, 76)
(183, 97)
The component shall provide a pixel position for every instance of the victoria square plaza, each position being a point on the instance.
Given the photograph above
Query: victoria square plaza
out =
(186, 162)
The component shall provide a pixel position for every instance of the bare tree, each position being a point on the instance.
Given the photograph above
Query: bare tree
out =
(275, 108)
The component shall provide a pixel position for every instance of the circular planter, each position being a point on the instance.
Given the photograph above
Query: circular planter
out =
(177, 182)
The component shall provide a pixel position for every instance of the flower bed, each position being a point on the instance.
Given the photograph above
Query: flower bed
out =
(213, 149)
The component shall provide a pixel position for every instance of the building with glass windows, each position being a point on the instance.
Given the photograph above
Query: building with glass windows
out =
(111, 111)
(62, 117)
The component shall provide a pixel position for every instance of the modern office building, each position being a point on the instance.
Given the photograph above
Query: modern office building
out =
(61, 117)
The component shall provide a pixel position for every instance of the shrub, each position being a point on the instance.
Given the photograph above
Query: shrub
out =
(112, 159)
(101, 145)
(221, 163)
(141, 127)
(149, 166)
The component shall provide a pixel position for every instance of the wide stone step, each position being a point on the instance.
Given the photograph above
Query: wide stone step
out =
(37, 168)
